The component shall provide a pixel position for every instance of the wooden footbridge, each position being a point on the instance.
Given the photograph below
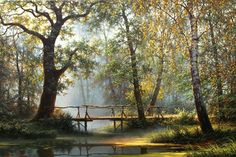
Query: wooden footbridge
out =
(118, 114)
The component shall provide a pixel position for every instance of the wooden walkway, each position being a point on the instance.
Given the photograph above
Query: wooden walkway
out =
(118, 119)
(112, 118)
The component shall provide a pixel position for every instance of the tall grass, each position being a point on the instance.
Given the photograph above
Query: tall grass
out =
(220, 150)
(177, 135)
(191, 134)
(185, 117)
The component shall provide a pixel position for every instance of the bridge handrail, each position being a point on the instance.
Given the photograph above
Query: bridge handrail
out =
(104, 107)
(95, 106)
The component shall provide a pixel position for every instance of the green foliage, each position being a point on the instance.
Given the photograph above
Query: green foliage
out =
(225, 150)
(136, 123)
(185, 117)
(61, 122)
(229, 109)
(20, 129)
(227, 112)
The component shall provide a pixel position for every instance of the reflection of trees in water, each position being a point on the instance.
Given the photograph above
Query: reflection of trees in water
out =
(143, 150)
(88, 150)
(48, 152)
(80, 149)
(64, 149)
(22, 153)
(10, 153)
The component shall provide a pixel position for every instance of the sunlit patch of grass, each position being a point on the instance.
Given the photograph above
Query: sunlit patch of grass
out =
(177, 135)
(161, 154)
(223, 150)
(183, 134)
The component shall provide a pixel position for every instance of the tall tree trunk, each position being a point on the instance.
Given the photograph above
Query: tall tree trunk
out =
(137, 92)
(111, 88)
(157, 87)
(20, 94)
(20, 80)
(217, 71)
(233, 76)
(50, 84)
(87, 90)
(203, 118)
(48, 97)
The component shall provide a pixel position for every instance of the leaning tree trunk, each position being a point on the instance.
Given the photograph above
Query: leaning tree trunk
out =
(203, 118)
(137, 92)
(157, 88)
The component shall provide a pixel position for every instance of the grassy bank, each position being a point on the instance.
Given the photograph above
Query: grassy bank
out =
(43, 128)
(160, 154)
(227, 149)
(27, 130)
(220, 143)
(191, 134)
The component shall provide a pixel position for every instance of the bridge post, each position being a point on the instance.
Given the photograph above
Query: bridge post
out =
(78, 116)
(85, 119)
(122, 116)
(113, 115)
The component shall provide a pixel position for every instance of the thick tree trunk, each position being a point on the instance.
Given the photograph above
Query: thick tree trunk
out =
(50, 85)
(48, 98)
(203, 118)
(217, 71)
(157, 88)
(137, 92)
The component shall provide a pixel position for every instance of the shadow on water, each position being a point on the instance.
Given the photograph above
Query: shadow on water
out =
(81, 149)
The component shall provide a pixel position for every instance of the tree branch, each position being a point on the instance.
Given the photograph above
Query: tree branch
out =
(45, 14)
(68, 64)
(175, 20)
(34, 33)
(87, 11)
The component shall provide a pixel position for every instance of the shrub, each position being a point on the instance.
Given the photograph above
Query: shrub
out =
(21, 129)
(177, 135)
(185, 117)
(136, 123)
(62, 123)
(228, 112)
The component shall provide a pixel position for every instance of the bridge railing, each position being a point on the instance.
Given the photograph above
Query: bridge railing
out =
(121, 109)
(121, 116)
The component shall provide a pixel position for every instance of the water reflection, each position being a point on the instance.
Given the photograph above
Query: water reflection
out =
(48, 152)
(143, 150)
(9, 153)
(80, 149)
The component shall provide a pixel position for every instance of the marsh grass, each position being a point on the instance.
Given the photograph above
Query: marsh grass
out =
(217, 150)
(191, 134)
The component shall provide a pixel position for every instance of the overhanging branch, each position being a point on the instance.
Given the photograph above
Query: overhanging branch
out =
(34, 33)
(87, 11)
